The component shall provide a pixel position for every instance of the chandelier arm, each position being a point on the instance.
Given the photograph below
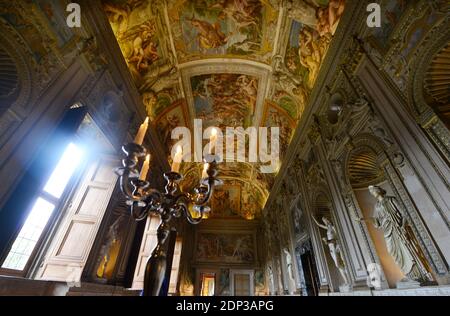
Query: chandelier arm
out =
(190, 218)
(138, 212)
(133, 152)
(153, 198)
(125, 184)
(203, 193)
(179, 209)
(181, 202)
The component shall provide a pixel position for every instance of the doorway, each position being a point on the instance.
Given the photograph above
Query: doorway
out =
(309, 271)
(241, 282)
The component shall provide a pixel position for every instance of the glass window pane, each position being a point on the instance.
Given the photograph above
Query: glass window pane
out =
(64, 170)
(29, 235)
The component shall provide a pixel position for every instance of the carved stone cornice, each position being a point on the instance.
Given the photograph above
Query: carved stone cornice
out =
(351, 58)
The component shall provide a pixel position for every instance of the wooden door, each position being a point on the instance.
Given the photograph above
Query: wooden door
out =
(149, 241)
(242, 283)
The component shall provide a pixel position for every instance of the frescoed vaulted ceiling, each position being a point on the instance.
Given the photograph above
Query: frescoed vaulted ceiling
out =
(231, 63)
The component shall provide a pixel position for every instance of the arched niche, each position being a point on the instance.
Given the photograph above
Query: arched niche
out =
(110, 105)
(308, 277)
(428, 83)
(363, 170)
(367, 163)
(428, 93)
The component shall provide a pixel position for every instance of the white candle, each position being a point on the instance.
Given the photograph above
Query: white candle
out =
(145, 168)
(205, 168)
(177, 160)
(212, 140)
(139, 139)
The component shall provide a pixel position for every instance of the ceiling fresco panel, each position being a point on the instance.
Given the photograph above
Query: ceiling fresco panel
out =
(391, 11)
(136, 31)
(225, 92)
(203, 28)
(141, 32)
(276, 116)
(306, 35)
(173, 116)
(225, 99)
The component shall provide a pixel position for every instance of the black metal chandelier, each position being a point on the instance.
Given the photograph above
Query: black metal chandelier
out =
(172, 203)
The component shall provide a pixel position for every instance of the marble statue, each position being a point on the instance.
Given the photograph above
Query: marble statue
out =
(280, 278)
(400, 242)
(332, 241)
(271, 280)
(290, 270)
(374, 278)
(105, 251)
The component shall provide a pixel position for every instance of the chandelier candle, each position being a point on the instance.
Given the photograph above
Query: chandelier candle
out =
(139, 139)
(205, 171)
(212, 140)
(177, 159)
(145, 167)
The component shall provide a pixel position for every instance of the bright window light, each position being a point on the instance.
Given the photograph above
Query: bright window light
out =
(29, 235)
(64, 170)
(38, 218)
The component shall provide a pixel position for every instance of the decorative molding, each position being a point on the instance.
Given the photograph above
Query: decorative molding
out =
(439, 134)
